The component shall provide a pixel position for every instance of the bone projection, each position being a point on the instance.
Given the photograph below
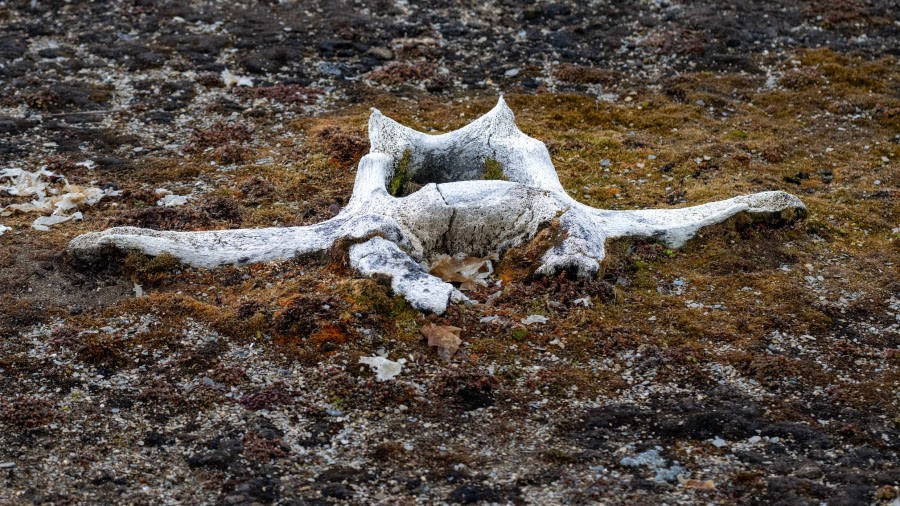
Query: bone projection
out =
(453, 210)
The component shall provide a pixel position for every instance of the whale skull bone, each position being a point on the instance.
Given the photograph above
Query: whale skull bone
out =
(454, 211)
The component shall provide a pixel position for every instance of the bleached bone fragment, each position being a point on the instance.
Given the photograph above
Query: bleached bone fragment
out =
(383, 368)
(48, 199)
(230, 80)
(453, 211)
(43, 223)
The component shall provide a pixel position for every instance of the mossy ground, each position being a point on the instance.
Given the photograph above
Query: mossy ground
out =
(789, 331)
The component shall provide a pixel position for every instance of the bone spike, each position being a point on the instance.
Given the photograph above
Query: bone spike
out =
(677, 226)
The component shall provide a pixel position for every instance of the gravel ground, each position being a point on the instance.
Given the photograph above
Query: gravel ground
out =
(759, 364)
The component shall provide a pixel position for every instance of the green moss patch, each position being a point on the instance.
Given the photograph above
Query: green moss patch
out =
(493, 170)
(401, 177)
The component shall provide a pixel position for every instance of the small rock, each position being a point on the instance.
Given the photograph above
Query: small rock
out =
(230, 80)
(697, 484)
(535, 318)
(337, 491)
(470, 494)
(382, 53)
(330, 69)
(809, 472)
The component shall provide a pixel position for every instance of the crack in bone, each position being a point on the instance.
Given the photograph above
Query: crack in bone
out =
(445, 237)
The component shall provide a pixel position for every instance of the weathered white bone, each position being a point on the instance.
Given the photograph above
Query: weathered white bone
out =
(454, 211)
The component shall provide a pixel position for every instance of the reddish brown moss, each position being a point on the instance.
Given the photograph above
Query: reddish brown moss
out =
(258, 448)
(161, 393)
(268, 397)
(161, 218)
(232, 152)
(800, 78)
(103, 350)
(229, 375)
(218, 135)
(345, 148)
(27, 413)
(396, 73)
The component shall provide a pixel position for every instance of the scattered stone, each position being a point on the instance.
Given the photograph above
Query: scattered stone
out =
(169, 199)
(697, 484)
(382, 53)
(384, 369)
(583, 301)
(534, 318)
(230, 80)
(655, 462)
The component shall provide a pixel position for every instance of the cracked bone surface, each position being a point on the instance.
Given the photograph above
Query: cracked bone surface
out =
(453, 211)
